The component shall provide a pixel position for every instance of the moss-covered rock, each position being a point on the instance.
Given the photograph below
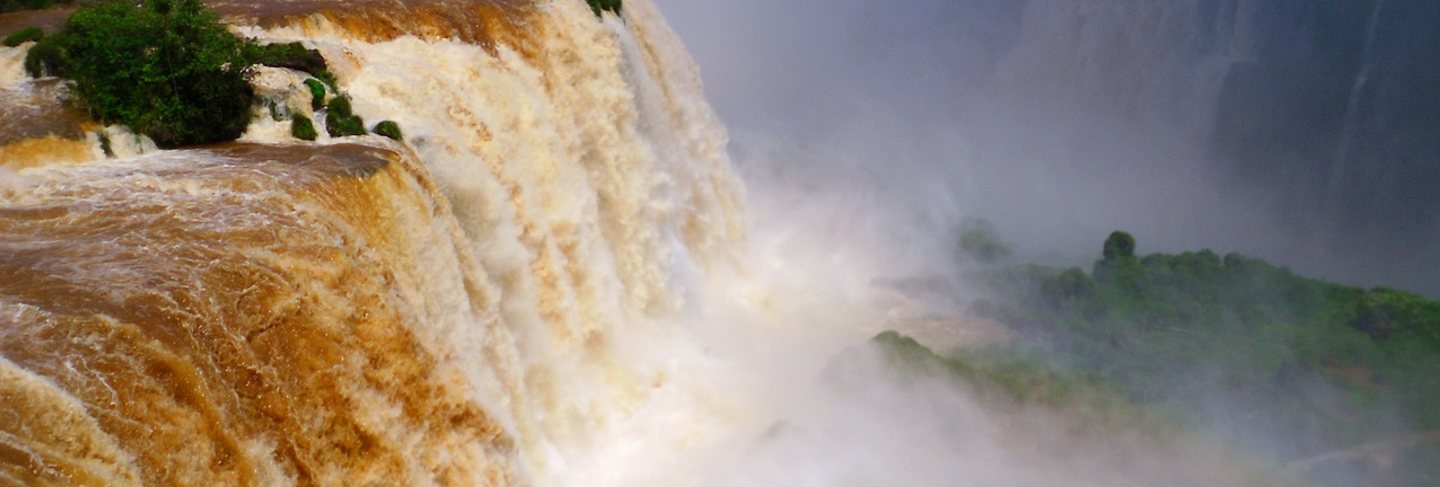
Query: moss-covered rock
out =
(389, 129)
(340, 107)
(344, 126)
(317, 93)
(22, 36)
(341, 121)
(291, 55)
(302, 128)
(327, 77)
(45, 59)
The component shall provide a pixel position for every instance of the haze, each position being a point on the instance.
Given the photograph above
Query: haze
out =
(1302, 133)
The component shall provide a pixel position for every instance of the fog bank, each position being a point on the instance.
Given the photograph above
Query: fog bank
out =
(1295, 132)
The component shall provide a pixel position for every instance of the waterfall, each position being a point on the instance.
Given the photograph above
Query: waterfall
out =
(1349, 122)
(453, 310)
(552, 280)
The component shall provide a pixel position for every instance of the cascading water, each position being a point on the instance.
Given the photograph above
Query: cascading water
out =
(1352, 104)
(448, 311)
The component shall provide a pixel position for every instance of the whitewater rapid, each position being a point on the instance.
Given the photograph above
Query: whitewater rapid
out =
(448, 311)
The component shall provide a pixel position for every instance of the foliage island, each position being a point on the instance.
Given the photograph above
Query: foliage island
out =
(1336, 381)
(165, 68)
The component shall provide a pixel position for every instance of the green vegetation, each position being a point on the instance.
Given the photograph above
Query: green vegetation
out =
(1004, 383)
(167, 69)
(598, 6)
(325, 76)
(293, 55)
(22, 36)
(302, 128)
(340, 107)
(45, 59)
(389, 129)
(1323, 365)
(1009, 378)
(340, 121)
(317, 93)
(345, 127)
(1120, 245)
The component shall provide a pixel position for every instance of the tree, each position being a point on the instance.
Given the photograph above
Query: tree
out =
(1119, 245)
(167, 69)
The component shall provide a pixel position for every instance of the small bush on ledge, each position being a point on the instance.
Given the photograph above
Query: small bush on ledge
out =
(45, 59)
(340, 121)
(598, 6)
(292, 55)
(24, 35)
(389, 129)
(302, 128)
(317, 93)
(344, 126)
(340, 107)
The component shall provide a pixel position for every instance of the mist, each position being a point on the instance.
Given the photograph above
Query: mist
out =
(1062, 121)
(869, 134)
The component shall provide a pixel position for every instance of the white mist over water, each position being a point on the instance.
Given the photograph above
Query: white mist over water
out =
(1061, 121)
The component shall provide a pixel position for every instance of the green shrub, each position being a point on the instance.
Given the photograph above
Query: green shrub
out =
(317, 93)
(24, 35)
(45, 59)
(598, 6)
(292, 55)
(389, 129)
(341, 121)
(167, 69)
(340, 107)
(325, 76)
(1119, 245)
(344, 126)
(302, 128)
